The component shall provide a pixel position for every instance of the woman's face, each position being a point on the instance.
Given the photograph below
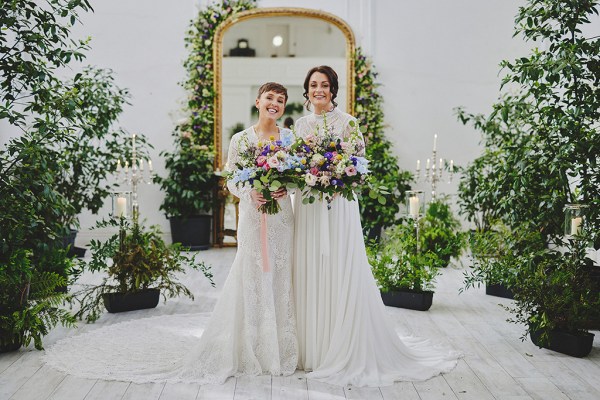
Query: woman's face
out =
(271, 105)
(319, 90)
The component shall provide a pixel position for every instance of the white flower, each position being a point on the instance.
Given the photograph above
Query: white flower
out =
(273, 162)
(310, 179)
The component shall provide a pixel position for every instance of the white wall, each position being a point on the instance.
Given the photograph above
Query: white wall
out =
(431, 56)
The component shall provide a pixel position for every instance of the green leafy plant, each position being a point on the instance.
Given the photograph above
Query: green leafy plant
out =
(440, 232)
(397, 265)
(385, 172)
(190, 181)
(134, 259)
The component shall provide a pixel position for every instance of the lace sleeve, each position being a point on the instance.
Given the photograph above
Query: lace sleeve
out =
(350, 131)
(233, 157)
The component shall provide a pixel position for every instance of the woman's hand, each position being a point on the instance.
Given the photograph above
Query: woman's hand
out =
(279, 193)
(257, 198)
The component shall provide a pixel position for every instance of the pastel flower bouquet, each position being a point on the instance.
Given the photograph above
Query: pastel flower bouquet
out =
(330, 164)
(266, 167)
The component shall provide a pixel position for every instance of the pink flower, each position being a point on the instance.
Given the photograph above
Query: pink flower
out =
(273, 162)
(350, 170)
(186, 135)
(314, 171)
(261, 160)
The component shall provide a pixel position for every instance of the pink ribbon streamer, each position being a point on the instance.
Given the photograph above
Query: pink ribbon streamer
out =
(263, 242)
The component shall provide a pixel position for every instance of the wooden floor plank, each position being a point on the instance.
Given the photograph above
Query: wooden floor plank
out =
(435, 388)
(44, 381)
(18, 373)
(146, 391)
(324, 391)
(180, 391)
(466, 384)
(542, 389)
(72, 388)
(253, 388)
(362, 393)
(293, 387)
(7, 359)
(225, 391)
(107, 390)
(400, 390)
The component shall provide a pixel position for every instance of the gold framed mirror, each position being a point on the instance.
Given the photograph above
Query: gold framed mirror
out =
(270, 44)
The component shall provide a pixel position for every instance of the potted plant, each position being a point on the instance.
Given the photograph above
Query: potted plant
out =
(405, 276)
(440, 233)
(139, 267)
(554, 296)
(189, 190)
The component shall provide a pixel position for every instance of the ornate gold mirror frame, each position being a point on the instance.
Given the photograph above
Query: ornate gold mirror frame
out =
(219, 231)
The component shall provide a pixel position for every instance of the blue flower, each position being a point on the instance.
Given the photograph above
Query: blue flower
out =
(328, 155)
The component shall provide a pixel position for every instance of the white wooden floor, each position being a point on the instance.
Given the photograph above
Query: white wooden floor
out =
(497, 365)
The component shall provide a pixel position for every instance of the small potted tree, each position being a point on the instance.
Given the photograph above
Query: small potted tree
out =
(189, 190)
(441, 232)
(405, 276)
(139, 267)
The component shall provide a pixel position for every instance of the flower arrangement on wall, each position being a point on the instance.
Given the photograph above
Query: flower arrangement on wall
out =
(368, 108)
(190, 180)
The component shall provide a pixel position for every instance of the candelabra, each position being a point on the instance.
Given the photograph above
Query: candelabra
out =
(126, 203)
(434, 174)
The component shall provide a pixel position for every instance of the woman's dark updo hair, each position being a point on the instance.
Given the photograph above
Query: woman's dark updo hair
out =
(333, 83)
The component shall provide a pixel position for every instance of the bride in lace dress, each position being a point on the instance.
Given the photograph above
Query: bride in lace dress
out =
(344, 334)
(252, 329)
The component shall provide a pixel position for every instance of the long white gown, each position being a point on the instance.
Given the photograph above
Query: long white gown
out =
(344, 334)
(252, 329)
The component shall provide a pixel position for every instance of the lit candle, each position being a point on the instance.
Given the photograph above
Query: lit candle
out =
(576, 225)
(119, 165)
(434, 142)
(141, 165)
(451, 166)
(418, 165)
(126, 166)
(413, 206)
(121, 206)
(441, 163)
(427, 164)
(150, 165)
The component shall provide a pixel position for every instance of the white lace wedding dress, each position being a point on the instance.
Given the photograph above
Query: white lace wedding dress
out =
(344, 334)
(251, 330)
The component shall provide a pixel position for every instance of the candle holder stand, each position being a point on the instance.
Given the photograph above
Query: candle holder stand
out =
(415, 207)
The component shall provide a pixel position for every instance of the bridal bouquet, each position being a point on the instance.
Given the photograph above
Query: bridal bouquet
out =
(267, 167)
(330, 164)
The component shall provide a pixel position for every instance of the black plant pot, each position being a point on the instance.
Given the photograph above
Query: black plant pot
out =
(412, 300)
(572, 344)
(10, 341)
(375, 233)
(120, 302)
(499, 290)
(191, 232)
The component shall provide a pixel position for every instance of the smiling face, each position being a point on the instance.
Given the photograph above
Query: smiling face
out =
(271, 104)
(319, 91)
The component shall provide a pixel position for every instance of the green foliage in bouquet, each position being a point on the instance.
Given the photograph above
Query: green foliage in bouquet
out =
(397, 265)
(385, 172)
(134, 259)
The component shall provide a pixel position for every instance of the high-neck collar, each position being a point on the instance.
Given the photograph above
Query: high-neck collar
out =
(327, 114)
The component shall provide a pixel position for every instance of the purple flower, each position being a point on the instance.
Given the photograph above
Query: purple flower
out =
(334, 181)
(328, 155)
(306, 148)
(278, 143)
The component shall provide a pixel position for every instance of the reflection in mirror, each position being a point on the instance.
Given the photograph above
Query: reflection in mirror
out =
(277, 45)
(278, 49)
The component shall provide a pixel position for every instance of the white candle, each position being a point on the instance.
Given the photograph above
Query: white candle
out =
(119, 165)
(150, 165)
(427, 165)
(418, 165)
(121, 210)
(434, 142)
(576, 225)
(413, 206)
(126, 166)
(451, 166)
(141, 165)
(441, 163)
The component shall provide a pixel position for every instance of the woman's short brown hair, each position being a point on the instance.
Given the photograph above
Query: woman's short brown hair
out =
(273, 87)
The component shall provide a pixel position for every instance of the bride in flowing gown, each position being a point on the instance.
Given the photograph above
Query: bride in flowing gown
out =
(344, 335)
(252, 329)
